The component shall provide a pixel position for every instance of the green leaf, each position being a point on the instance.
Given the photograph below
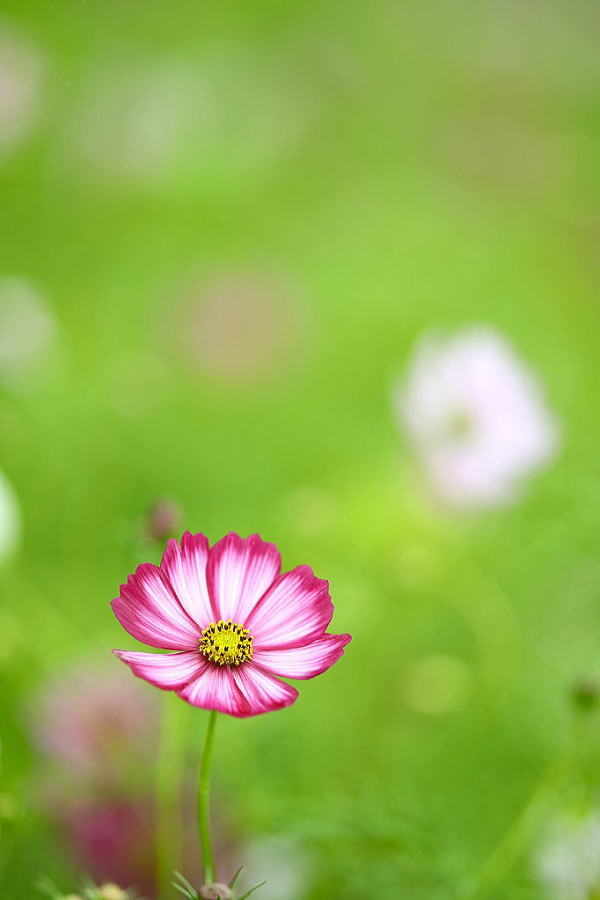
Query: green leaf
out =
(45, 885)
(184, 891)
(182, 885)
(251, 891)
(235, 878)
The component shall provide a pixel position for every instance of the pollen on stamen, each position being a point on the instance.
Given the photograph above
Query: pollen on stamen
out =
(226, 643)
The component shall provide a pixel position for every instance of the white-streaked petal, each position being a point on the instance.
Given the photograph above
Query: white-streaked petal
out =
(149, 610)
(294, 611)
(185, 566)
(240, 691)
(215, 688)
(303, 662)
(165, 670)
(239, 572)
(262, 692)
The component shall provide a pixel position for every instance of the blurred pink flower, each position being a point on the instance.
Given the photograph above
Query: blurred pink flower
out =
(21, 71)
(240, 326)
(234, 620)
(113, 840)
(476, 417)
(99, 730)
(91, 720)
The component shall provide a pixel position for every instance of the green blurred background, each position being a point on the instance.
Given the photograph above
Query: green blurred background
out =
(240, 219)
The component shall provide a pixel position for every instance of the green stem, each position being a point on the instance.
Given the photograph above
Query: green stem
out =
(208, 860)
(512, 845)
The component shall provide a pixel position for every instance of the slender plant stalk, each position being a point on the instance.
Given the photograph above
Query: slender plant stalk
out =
(168, 780)
(206, 848)
(511, 847)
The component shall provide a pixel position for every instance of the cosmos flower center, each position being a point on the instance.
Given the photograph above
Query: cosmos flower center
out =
(226, 643)
(460, 425)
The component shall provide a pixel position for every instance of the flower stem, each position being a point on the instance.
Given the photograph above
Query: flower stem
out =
(512, 845)
(206, 848)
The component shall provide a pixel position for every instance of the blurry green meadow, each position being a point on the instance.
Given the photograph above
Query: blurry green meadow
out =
(223, 230)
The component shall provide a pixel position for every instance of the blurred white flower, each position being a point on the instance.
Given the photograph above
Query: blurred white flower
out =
(10, 519)
(567, 863)
(26, 327)
(21, 72)
(476, 417)
(132, 120)
(282, 863)
(216, 117)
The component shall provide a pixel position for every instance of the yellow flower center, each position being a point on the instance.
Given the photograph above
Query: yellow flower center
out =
(226, 643)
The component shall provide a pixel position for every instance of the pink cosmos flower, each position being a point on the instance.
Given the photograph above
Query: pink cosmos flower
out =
(235, 622)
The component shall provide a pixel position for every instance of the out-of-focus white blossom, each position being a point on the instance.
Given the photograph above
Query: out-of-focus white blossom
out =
(219, 117)
(134, 117)
(567, 863)
(282, 863)
(10, 519)
(21, 74)
(26, 327)
(476, 417)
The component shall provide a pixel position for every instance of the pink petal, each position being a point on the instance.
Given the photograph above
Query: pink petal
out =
(303, 662)
(294, 611)
(215, 688)
(165, 670)
(149, 610)
(239, 691)
(262, 692)
(239, 572)
(185, 567)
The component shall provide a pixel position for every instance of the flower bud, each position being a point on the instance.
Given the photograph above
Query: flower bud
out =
(216, 891)
(585, 693)
(163, 520)
(111, 891)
